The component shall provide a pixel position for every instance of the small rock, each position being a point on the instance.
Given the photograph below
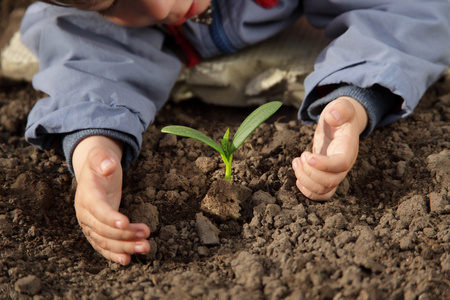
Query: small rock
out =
(336, 221)
(176, 182)
(22, 181)
(313, 219)
(248, 270)
(365, 245)
(406, 243)
(206, 164)
(272, 210)
(223, 199)
(401, 169)
(445, 262)
(168, 140)
(203, 251)
(146, 213)
(439, 165)
(438, 203)
(412, 207)
(344, 238)
(343, 187)
(151, 255)
(370, 264)
(261, 197)
(288, 198)
(168, 232)
(299, 212)
(30, 285)
(206, 230)
(403, 151)
(6, 227)
(32, 231)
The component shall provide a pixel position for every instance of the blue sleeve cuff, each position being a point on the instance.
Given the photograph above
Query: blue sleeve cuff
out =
(377, 100)
(71, 140)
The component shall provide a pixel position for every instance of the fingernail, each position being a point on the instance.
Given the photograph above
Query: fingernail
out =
(336, 115)
(295, 164)
(120, 260)
(104, 165)
(303, 158)
(299, 185)
(139, 249)
(140, 235)
(118, 224)
(312, 162)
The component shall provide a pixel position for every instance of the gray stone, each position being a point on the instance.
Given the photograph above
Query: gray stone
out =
(412, 207)
(30, 285)
(206, 230)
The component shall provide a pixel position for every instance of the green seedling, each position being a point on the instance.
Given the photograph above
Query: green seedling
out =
(227, 147)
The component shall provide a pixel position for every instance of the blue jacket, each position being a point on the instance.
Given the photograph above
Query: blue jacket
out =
(102, 78)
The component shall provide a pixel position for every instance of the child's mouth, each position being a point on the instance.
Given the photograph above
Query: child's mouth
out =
(193, 10)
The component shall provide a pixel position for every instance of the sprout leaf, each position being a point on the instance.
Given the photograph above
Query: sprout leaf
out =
(194, 134)
(255, 119)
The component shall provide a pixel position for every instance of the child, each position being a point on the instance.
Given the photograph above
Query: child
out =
(107, 68)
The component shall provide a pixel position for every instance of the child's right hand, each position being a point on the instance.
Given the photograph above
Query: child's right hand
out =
(335, 149)
(96, 162)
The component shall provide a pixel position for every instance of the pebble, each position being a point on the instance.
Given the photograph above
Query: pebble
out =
(168, 232)
(248, 270)
(343, 238)
(30, 285)
(203, 251)
(261, 197)
(288, 198)
(6, 227)
(406, 243)
(438, 203)
(148, 214)
(168, 140)
(206, 164)
(439, 165)
(313, 219)
(206, 230)
(412, 207)
(336, 221)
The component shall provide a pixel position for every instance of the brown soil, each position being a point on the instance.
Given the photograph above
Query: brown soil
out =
(385, 235)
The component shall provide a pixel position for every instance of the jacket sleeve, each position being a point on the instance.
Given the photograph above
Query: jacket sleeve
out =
(97, 75)
(401, 46)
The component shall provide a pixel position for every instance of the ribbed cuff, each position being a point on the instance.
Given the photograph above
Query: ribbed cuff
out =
(377, 100)
(71, 140)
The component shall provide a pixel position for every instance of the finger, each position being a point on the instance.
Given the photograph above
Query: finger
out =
(306, 181)
(132, 232)
(322, 164)
(120, 258)
(323, 179)
(314, 196)
(118, 246)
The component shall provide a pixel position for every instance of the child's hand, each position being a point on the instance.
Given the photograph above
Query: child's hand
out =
(335, 148)
(96, 162)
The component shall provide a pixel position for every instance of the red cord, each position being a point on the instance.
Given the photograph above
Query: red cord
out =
(191, 54)
(267, 3)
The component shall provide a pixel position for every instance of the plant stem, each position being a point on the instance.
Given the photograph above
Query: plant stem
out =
(228, 168)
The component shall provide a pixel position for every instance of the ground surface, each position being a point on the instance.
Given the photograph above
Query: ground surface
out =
(385, 235)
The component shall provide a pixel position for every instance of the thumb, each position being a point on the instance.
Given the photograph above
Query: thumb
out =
(101, 162)
(339, 112)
